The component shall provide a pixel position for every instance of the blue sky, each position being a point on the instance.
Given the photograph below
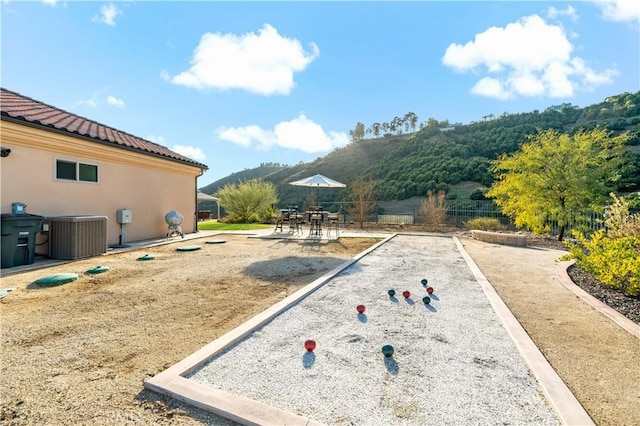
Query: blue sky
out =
(236, 84)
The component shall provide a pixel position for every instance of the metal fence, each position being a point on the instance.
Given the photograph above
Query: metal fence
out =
(396, 219)
(407, 212)
(457, 214)
(585, 222)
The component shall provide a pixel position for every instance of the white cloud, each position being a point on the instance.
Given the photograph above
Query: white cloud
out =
(192, 152)
(50, 2)
(112, 100)
(569, 12)
(156, 138)
(246, 135)
(620, 10)
(108, 14)
(262, 62)
(92, 101)
(97, 99)
(300, 133)
(525, 58)
(491, 88)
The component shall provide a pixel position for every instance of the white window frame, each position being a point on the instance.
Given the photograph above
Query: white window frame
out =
(77, 167)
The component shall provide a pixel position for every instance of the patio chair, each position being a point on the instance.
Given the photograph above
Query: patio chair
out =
(281, 219)
(333, 222)
(295, 222)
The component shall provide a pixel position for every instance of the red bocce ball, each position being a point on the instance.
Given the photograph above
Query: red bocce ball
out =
(406, 294)
(310, 345)
(360, 309)
(430, 290)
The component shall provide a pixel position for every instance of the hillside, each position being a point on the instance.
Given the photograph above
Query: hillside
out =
(408, 165)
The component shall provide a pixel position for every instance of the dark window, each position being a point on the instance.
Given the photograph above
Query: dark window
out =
(69, 170)
(65, 170)
(88, 172)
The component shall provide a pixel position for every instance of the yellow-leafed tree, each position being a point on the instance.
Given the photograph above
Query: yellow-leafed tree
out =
(554, 174)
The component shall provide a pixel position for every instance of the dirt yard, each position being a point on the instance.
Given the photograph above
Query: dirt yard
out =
(79, 353)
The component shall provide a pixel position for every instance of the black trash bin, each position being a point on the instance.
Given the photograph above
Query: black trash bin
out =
(18, 233)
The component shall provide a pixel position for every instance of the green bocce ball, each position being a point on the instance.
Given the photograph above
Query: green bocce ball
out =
(387, 351)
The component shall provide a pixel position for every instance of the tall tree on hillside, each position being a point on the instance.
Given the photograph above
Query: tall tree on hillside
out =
(396, 125)
(375, 128)
(392, 126)
(357, 133)
(432, 123)
(406, 121)
(413, 121)
(385, 128)
(554, 175)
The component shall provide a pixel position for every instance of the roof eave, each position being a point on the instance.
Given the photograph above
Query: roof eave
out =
(18, 120)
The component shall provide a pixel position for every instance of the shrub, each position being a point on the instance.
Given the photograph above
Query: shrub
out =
(477, 194)
(434, 208)
(619, 222)
(248, 202)
(612, 261)
(484, 224)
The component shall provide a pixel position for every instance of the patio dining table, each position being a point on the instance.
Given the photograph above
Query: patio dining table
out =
(315, 217)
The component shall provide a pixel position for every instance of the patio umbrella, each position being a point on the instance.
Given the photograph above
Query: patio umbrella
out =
(318, 181)
(206, 197)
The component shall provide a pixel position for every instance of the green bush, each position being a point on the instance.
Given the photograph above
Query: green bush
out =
(484, 224)
(248, 202)
(612, 261)
(477, 195)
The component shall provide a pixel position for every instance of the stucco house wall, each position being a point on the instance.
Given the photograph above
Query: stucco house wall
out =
(147, 183)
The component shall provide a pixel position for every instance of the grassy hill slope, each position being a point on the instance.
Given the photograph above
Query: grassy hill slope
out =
(406, 166)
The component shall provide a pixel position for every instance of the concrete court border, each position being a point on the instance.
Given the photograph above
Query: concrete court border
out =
(615, 316)
(173, 381)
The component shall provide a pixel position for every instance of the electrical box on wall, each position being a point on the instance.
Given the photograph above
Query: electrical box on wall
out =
(124, 216)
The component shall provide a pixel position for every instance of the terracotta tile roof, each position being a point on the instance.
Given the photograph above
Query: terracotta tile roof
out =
(21, 108)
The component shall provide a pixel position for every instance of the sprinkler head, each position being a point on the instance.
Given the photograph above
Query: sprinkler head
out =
(310, 345)
(426, 300)
(430, 290)
(406, 294)
(424, 282)
(360, 309)
(391, 293)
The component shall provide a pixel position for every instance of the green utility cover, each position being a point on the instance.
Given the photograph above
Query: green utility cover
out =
(146, 257)
(216, 241)
(188, 248)
(57, 279)
(98, 270)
